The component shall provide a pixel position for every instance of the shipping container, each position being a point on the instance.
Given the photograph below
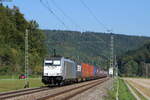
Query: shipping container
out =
(99, 71)
(91, 67)
(79, 71)
(95, 70)
(87, 70)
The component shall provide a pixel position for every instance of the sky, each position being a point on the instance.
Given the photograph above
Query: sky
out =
(130, 17)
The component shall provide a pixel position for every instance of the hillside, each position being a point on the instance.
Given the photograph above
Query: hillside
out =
(90, 47)
(13, 26)
(133, 63)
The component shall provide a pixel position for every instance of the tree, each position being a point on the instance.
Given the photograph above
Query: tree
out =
(131, 68)
(12, 41)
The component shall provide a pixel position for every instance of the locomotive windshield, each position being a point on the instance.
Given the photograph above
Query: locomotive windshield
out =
(52, 62)
(48, 64)
(56, 62)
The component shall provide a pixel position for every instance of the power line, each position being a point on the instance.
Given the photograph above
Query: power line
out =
(94, 16)
(65, 15)
(52, 12)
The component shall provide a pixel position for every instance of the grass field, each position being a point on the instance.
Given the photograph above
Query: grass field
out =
(15, 84)
(124, 93)
(15, 76)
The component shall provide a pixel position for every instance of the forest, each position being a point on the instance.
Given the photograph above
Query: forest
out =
(136, 62)
(91, 47)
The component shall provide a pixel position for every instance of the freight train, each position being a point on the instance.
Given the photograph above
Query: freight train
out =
(59, 70)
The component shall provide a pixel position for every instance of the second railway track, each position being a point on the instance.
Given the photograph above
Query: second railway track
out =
(12, 94)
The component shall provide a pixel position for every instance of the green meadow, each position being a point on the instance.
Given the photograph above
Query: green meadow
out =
(123, 91)
(15, 84)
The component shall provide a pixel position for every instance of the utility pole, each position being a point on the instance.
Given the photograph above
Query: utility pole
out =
(146, 69)
(116, 66)
(78, 58)
(112, 55)
(26, 61)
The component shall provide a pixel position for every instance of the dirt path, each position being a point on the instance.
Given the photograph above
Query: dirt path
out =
(132, 91)
(141, 85)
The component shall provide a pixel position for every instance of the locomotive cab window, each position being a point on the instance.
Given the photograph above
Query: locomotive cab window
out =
(52, 63)
(48, 63)
(56, 62)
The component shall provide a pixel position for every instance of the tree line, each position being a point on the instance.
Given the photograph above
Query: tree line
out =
(13, 26)
(91, 47)
(135, 62)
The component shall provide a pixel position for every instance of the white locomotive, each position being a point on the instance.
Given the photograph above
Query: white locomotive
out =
(58, 70)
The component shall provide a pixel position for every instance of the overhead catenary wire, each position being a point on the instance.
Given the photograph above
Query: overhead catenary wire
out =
(47, 6)
(65, 15)
(94, 16)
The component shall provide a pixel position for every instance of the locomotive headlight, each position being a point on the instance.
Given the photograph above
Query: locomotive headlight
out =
(58, 74)
(46, 74)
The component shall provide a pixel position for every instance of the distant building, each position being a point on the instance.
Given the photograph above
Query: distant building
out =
(111, 71)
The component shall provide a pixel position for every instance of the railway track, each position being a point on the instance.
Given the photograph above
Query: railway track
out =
(12, 94)
(65, 94)
(69, 93)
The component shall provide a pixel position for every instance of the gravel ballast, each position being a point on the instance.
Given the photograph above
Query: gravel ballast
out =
(96, 93)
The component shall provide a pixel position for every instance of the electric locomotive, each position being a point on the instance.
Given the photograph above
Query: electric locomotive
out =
(58, 70)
